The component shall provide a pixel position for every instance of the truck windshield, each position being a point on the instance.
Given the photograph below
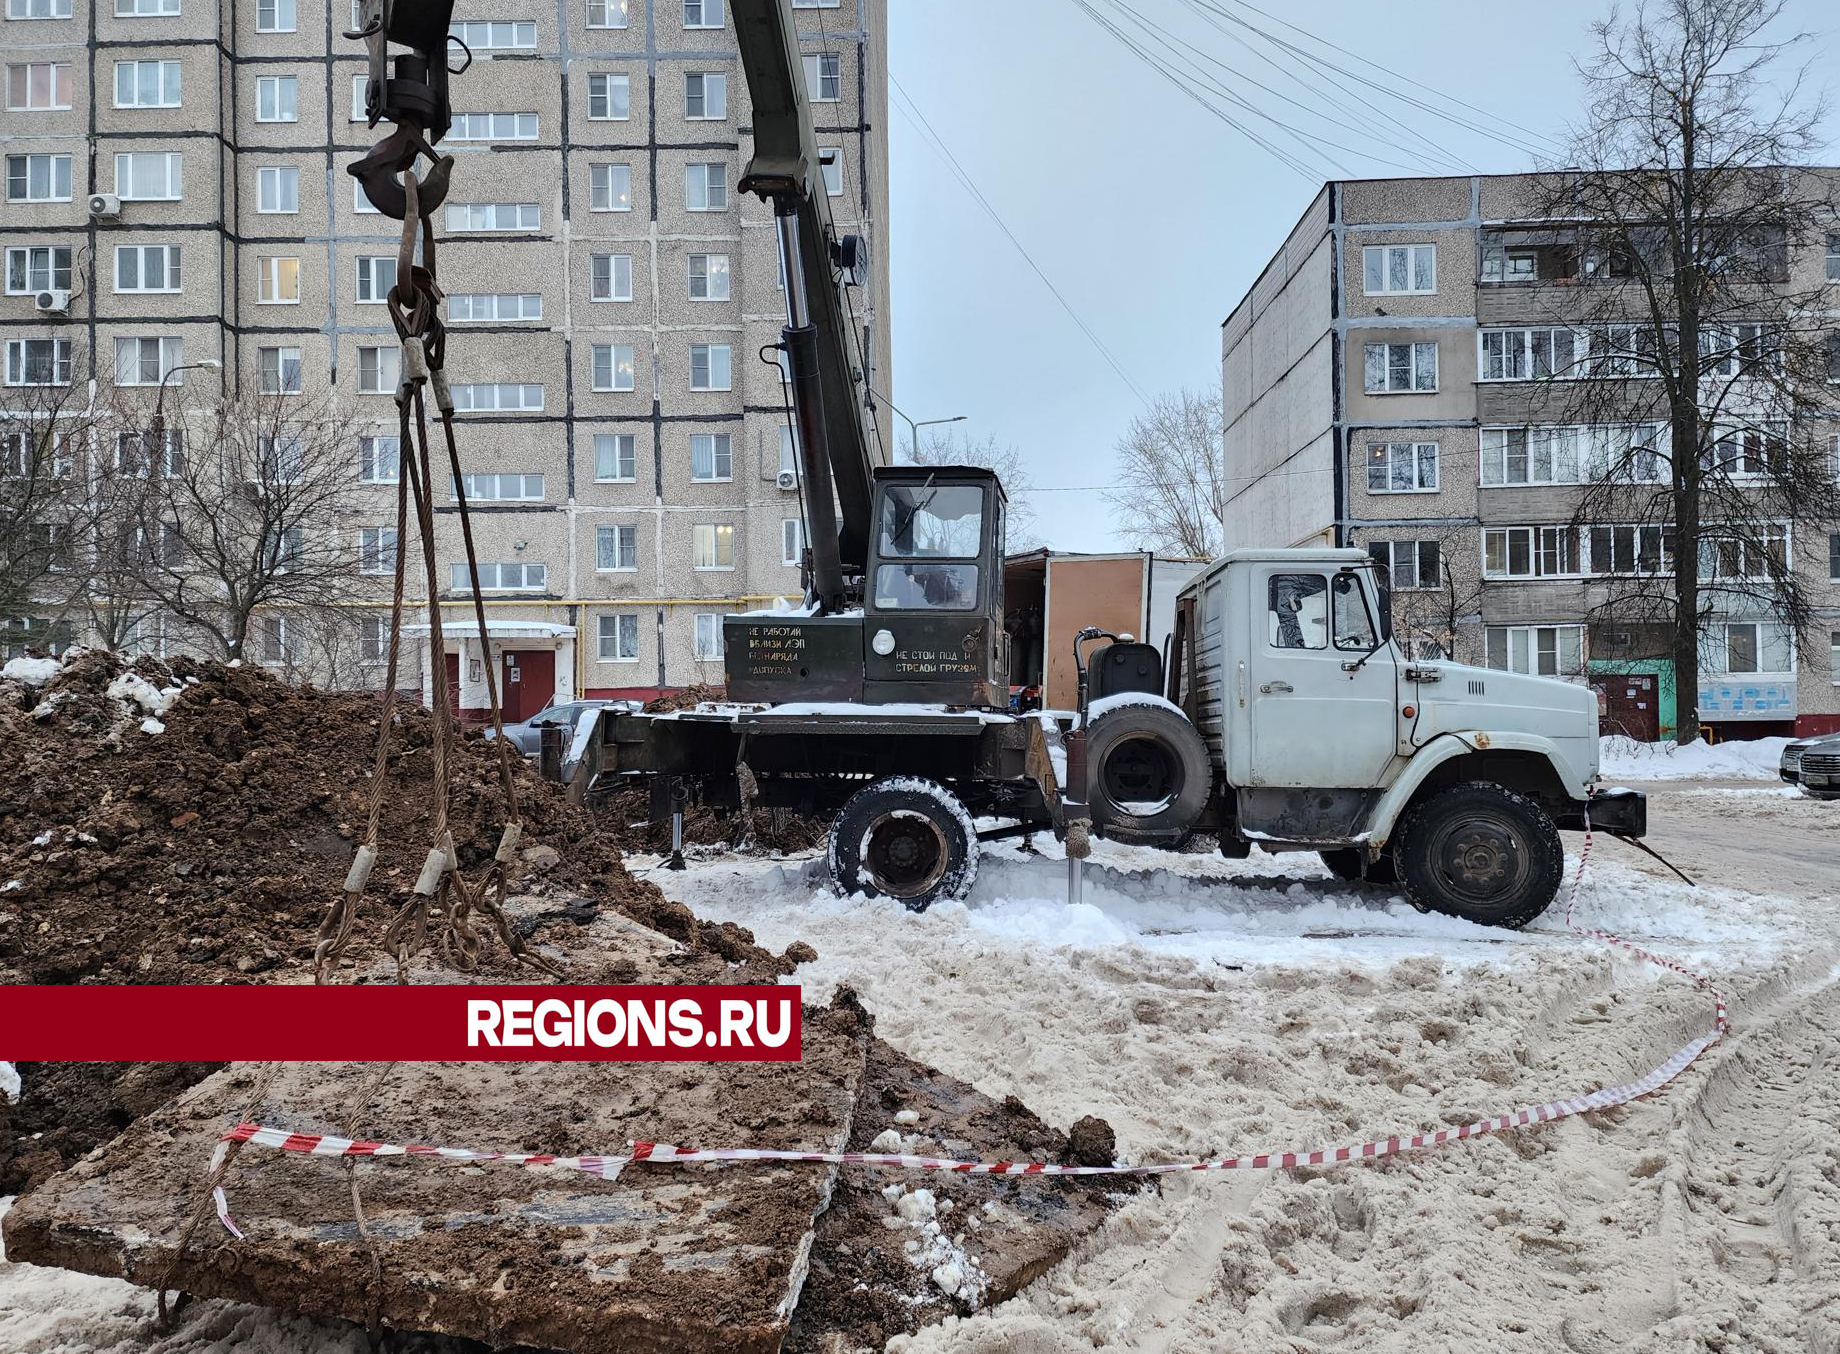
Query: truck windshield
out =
(932, 521)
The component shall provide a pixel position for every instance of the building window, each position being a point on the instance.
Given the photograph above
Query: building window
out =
(147, 268)
(131, 456)
(1748, 452)
(613, 366)
(379, 460)
(1833, 256)
(480, 307)
(279, 371)
(147, 84)
(702, 13)
(1833, 556)
(377, 550)
(482, 35)
(1755, 559)
(1399, 269)
(145, 177)
(607, 13)
(1402, 467)
(38, 9)
(379, 370)
(1408, 566)
(373, 639)
(278, 282)
(1510, 263)
(711, 457)
(499, 397)
(376, 275)
(1537, 650)
(503, 577)
(36, 268)
(38, 362)
(610, 188)
(281, 460)
(614, 460)
(1395, 368)
(616, 548)
(277, 191)
(619, 637)
(277, 98)
(612, 277)
(714, 545)
(361, 203)
(705, 96)
(710, 366)
(274, 16)
(707, 642)
(830, 167)
(1630, 550)
(493, 216)
(823, 80)
(1754, 646)
(609, 98)
(147, 361)
(278, 645)
(38, 178)
(1529, 552)
(705, 188)
(146, 9)
(38, 86)
(1531, 354)
(1629, 452)
(493, 127)
(503, 487)
(788, 453)
(791, 541)
(709, 277)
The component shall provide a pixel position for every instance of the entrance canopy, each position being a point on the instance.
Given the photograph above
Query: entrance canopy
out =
(506, 629)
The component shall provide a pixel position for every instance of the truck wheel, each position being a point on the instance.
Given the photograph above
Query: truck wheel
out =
(1351, 863)
(1482, 852)
(1150, 773)
(903, 838)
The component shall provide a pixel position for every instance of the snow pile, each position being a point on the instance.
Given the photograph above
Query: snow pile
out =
(31, 671)
(940, 1256)
(1622, 758)
(9, 1083)
(154, 701)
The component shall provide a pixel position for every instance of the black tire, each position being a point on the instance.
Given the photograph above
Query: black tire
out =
(1351, 863)
(1143, 755)
(1482, 852)
(904, 838)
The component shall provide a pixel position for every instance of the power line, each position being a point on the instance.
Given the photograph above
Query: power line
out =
(912, 112)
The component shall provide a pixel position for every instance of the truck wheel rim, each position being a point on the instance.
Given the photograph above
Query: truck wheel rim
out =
(905, 854)
(1141, 777)
(1481, 859)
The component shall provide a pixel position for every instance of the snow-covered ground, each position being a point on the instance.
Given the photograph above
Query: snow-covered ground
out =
(1209, 1007)
(1624, 759)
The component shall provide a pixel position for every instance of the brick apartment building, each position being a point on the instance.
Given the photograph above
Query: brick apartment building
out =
(609, 289)
(1373, 397)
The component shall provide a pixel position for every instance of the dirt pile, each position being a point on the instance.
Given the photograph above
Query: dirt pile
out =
(190, 822)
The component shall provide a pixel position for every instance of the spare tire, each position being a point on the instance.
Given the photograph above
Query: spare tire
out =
(1149, 773)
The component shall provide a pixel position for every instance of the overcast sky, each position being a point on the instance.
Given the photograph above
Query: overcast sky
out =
(1149, 214)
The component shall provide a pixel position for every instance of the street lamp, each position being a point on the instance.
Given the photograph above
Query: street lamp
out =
(159, 418)
(913, 428)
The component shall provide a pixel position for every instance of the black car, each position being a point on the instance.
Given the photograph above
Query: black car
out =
(1814, 764)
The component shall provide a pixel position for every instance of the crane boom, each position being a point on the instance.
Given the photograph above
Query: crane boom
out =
(829, 383)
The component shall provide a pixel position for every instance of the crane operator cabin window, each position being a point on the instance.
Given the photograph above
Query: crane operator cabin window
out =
(926, 526)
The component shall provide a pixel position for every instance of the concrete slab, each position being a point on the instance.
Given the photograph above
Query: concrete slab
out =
(664, 1258)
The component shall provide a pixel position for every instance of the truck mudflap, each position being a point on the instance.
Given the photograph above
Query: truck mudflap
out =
(1621, 813)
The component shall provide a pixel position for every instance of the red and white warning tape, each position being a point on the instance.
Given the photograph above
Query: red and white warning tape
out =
(608, 1167)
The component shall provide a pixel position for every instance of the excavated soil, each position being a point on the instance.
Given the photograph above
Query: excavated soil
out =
(208, 852)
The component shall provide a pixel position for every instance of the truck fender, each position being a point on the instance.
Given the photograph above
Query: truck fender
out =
(1386, 811)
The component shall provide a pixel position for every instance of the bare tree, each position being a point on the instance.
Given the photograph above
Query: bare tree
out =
(243, 521)
(47, 429)
(1689, 325)
(952, 448)
(1171, 476)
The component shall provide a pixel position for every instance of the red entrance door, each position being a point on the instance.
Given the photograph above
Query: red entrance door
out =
(529, 682)
(1630, 706)
(453, 682)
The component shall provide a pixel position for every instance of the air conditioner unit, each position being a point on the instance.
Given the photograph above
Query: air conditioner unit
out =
(105, 206)
(788, 479)
(53, 302)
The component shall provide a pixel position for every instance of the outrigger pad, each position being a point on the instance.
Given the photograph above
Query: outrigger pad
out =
(698, 1257)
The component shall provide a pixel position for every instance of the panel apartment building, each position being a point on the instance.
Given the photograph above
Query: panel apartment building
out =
(1368, 403)
(609, 289)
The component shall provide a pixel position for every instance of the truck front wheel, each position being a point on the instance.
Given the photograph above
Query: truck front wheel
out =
(903, 838)
(1482, 852)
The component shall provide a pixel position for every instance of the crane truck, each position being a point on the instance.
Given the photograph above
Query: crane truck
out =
(1282, 713)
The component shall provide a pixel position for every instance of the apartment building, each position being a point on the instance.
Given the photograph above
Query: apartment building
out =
(178, 167)
(1384, 388)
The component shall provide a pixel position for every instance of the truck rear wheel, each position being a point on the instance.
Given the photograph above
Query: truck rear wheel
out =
(1482, 852)
(903, 838)
(1150, 773)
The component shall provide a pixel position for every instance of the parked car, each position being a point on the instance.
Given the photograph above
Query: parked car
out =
(527, 737)
(1814, 764)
